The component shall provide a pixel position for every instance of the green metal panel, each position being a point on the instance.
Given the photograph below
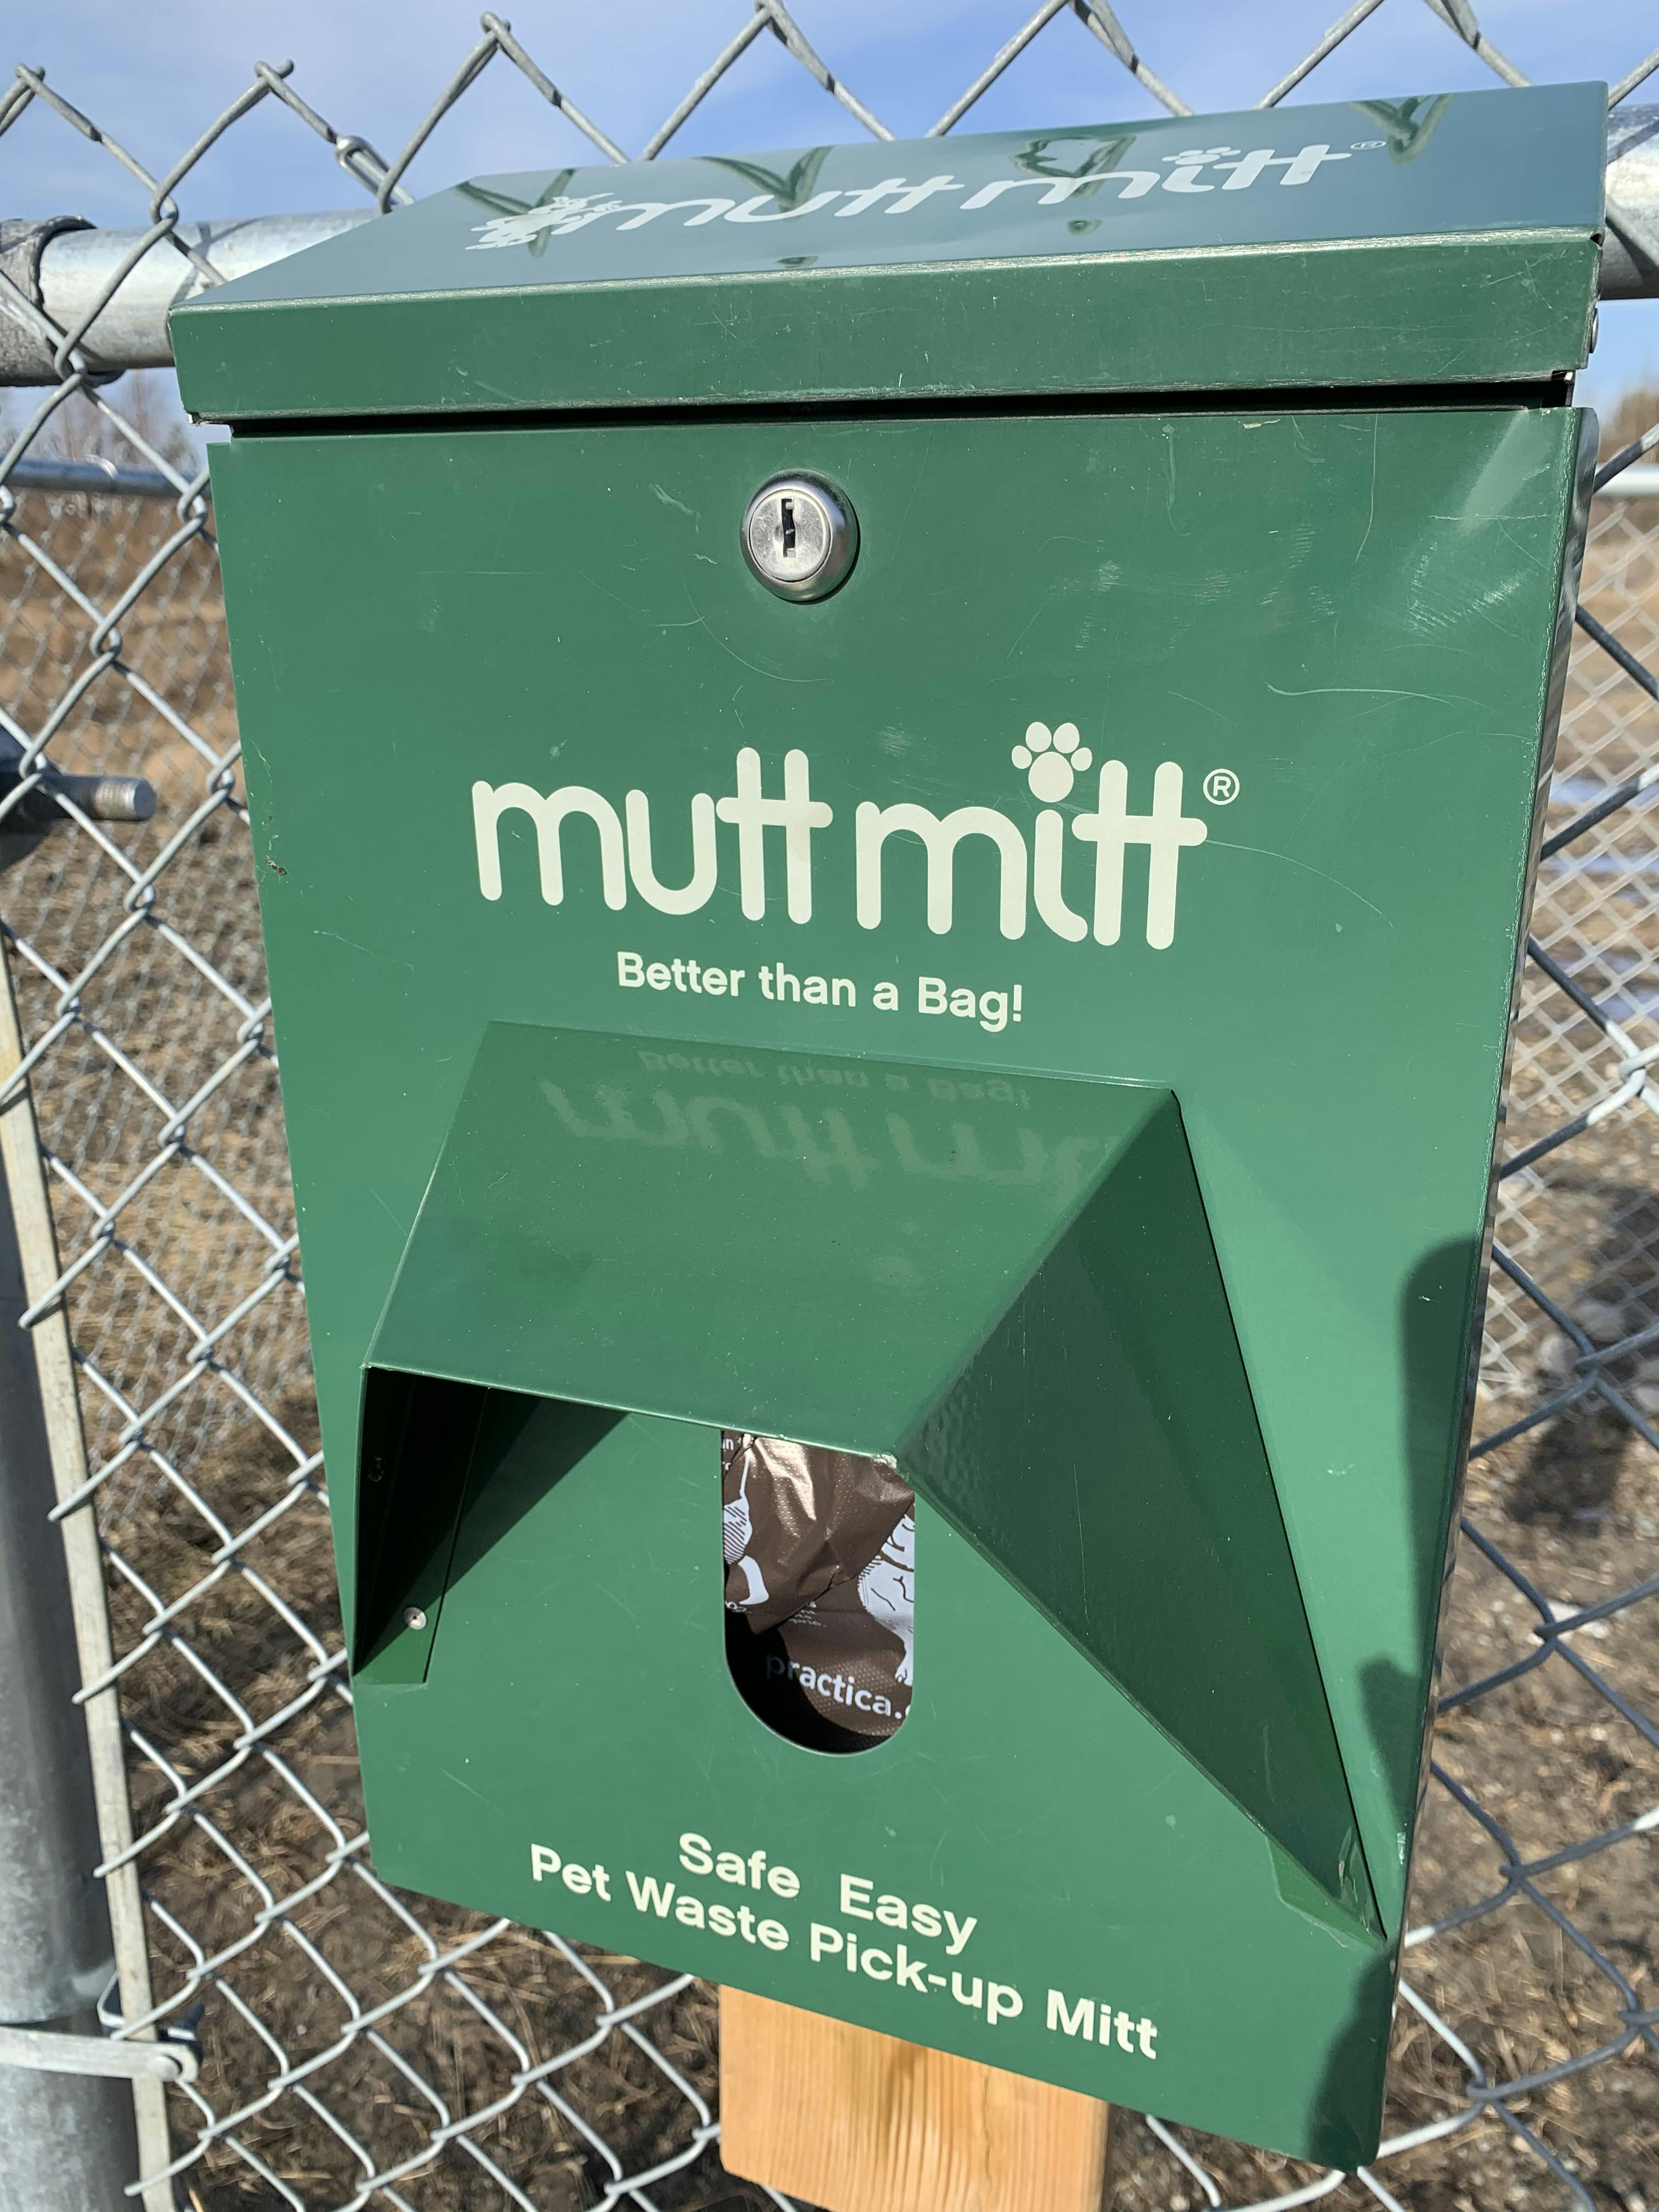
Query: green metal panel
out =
(1426, 241)
(1314, 656)
(1024, 1795)
(1041, 1350)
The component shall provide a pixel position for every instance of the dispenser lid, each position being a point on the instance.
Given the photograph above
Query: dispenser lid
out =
(1425, 241)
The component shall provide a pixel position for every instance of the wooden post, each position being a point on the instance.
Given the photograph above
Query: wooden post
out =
(844, 2119)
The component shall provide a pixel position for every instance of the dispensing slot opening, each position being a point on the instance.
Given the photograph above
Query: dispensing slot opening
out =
(819, 1551)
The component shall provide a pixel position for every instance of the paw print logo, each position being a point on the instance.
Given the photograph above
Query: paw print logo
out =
(1052, 760)
(565, 210)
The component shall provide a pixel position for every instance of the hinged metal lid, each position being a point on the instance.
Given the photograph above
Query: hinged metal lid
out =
(1421, 241)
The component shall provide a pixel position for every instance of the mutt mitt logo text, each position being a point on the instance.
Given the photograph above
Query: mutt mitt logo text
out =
(1031, 864)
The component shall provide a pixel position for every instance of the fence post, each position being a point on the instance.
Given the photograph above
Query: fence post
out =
(67, 2142)
(858, 2122)
(40, 1413)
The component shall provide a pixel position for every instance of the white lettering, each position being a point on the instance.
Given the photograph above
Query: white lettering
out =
(994, 191)
(855, 1897)
(1183, 178)
(490, 803)
(1138, 182)
(628, 856)
(1080, 2021)
(875, 825)
(960, 1931)
(918, 193)
(705, 857)
(650, 209)
(749, 211)
(1299, 169)
(1047, 892)
(577, 217)
(798, 814)
(566, 213)
(1164, 832)
(554, 215)
(868, 195)
(651, 1895)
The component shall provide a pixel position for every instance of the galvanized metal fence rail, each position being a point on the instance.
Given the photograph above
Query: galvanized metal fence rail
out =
(324, 2041)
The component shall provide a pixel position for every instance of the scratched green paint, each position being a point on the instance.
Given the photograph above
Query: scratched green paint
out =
(1434, 240)
(1192, 1227)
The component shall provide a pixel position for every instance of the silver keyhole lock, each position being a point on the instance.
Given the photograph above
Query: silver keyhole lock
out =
(800, 537)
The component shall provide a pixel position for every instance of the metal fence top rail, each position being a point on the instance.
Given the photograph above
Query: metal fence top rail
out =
(116, 287)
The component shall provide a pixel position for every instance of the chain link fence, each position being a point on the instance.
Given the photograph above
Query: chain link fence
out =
(359, 2045)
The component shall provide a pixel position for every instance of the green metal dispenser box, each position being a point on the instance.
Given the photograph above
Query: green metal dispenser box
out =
(1033, 1014)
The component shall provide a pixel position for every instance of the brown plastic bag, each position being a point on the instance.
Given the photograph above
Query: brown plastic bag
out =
(820, 1588)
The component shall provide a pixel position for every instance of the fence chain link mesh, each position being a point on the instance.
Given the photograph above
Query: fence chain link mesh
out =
(360, 2045)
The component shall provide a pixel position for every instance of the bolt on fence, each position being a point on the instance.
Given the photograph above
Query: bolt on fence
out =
(322, 2041)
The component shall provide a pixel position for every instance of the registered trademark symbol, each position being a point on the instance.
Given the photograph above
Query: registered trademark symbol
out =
(1368, 145)
(1221, 786)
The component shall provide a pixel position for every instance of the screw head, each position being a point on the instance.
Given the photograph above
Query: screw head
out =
(413, 1617)
(800, 537)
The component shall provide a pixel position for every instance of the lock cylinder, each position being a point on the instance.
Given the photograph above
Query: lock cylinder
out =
(800, 537)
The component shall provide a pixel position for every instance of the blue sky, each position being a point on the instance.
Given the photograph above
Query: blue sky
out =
(154, 75)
